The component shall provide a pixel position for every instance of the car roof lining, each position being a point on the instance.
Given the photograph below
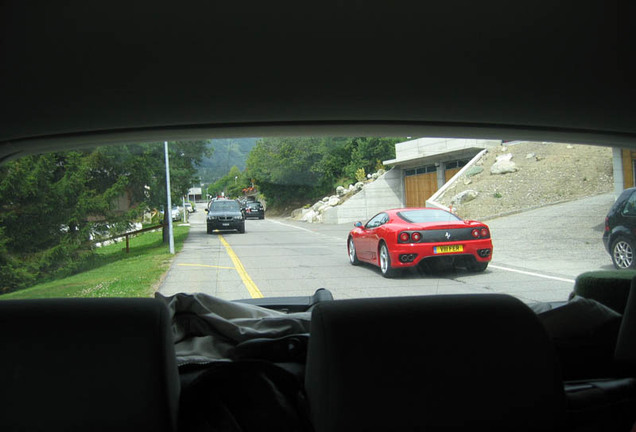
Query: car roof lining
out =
(16, 148)
(544, 71)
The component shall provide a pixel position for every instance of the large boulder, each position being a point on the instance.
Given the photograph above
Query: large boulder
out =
(359, 186)
(333, 201)
(474, 170)
(503, 167)
(464, 197)
(310, 216)
(504, 157)
(341, 191)
(298, 213)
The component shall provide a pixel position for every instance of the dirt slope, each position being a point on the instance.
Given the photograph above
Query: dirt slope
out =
(547, 174)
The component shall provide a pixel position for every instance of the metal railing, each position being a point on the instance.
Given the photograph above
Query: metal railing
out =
(128, 234)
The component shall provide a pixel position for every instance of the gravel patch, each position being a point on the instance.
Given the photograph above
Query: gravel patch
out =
(546, 174)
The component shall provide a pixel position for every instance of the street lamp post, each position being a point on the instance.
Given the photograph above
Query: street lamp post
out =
(169, 209)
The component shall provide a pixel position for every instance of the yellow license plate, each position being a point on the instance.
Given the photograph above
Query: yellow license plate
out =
(448, 249)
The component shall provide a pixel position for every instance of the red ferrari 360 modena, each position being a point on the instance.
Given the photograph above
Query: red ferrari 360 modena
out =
(400, 238)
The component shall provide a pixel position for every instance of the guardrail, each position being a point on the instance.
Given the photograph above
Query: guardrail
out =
(128, 234)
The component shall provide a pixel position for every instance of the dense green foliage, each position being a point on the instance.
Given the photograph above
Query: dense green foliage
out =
(232, 184)
(52, 205)
(227, 153)
(288, 170)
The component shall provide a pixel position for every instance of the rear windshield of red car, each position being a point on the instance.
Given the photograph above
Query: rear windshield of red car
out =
(428, 215)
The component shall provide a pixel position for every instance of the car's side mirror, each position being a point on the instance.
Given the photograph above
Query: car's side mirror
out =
(357, 224)
(206, 210)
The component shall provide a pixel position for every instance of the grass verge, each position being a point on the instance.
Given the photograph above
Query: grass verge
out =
(115, 273)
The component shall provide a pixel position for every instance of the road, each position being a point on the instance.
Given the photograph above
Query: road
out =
(532, 259)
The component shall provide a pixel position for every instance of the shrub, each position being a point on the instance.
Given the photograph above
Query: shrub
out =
(360, 174)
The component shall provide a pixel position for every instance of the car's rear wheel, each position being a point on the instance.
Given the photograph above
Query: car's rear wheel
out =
(353, 255)
(385, 262)
(623, 254)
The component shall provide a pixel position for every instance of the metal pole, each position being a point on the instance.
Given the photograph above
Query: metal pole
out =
(169, 209)
(185, 218)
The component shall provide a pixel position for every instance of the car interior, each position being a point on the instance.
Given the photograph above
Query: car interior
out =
(77, 74)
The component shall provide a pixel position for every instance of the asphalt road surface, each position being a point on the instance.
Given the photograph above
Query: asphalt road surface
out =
(537, 256)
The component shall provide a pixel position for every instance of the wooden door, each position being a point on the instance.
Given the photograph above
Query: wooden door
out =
(450, 173)
(418, 188)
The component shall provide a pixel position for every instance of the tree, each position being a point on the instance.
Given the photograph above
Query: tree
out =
(283, 170)
(227, 153)
(294, 169)
(231, 184)
(367, 153)
(84, 188)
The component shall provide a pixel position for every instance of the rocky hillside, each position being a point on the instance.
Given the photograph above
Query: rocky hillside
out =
(535, 174)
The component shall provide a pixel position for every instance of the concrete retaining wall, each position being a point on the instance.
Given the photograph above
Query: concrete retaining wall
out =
(384, 193)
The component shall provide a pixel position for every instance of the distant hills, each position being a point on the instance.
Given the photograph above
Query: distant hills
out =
(227, 153)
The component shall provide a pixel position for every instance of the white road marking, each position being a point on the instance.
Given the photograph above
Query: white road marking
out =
(532, 274)
(307, 230)
(291, 226)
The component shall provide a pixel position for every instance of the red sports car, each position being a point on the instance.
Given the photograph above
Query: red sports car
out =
(400, 238)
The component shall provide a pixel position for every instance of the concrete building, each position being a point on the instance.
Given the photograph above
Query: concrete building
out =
(420, 168)
(195, 194)
(624, 165)
(427, 164)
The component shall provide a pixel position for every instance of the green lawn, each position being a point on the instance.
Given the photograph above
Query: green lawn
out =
(115, 273)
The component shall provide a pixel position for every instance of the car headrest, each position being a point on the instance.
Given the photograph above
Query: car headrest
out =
(456, 362)
(625, 352)
(87, 365)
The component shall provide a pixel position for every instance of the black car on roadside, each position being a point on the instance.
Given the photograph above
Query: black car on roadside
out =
(619, 235)
(254, 209)
(225, 214)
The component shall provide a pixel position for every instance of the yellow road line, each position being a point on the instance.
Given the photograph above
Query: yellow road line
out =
(249, 283)
(204, 265)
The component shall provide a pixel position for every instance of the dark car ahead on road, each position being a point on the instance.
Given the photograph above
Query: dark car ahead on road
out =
(619, 236)
(225, 214)
(254, 209)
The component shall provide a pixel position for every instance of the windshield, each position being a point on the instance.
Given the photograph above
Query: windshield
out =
(88, 223)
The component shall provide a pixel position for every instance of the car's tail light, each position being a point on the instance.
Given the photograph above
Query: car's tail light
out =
(607, 228)
(476, 233)
(484, 232)
(404, 237)
(416, 237)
